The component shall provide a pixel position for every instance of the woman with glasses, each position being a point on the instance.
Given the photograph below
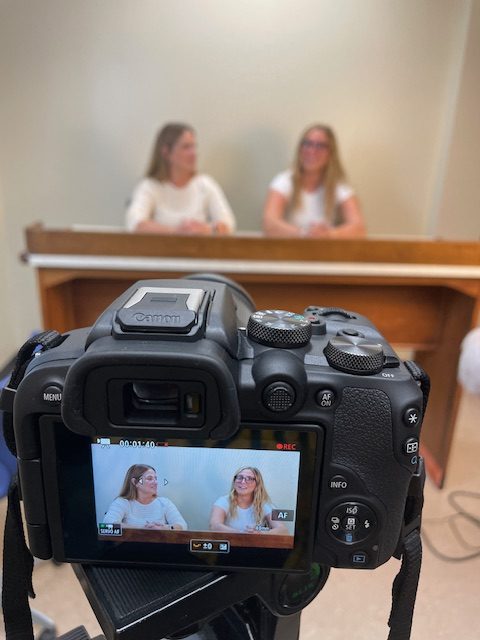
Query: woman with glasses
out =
(313, 199)
(139, 506)
(173, 198)
(247, 508)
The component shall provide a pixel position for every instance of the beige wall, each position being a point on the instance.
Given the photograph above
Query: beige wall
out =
(85, 85)
(459, 211)
(7, 336)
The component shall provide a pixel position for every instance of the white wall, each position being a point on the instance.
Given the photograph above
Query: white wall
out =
(459, 211)
(85, 86)
(7, 338)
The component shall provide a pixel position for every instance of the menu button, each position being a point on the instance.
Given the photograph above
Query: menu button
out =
(52, 394)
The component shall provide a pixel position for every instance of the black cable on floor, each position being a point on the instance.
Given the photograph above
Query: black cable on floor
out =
(460, 514)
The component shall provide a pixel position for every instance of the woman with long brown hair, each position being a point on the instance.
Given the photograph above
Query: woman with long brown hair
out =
(173, 198)
(313, 199)
(139, 506)
(247, 508)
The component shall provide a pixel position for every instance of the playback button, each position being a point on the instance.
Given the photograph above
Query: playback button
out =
(359, 559)
(209, 546)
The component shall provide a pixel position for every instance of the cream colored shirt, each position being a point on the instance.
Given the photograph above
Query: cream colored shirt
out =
(201, 200)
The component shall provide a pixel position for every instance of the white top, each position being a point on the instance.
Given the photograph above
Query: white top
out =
(244, 518)
(312, 203)
(201, 199)
(136, 514)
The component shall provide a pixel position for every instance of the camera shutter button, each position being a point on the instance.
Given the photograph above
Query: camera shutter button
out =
(279, 396)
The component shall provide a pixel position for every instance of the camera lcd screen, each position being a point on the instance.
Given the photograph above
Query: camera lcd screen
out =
(211, 499)
(246, 502)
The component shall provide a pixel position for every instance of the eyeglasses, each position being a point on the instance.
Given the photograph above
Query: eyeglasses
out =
(317, 146)
(247, 479)
(148, 478)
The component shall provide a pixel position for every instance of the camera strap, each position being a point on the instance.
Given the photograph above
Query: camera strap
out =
(404, 590)
(17, 559)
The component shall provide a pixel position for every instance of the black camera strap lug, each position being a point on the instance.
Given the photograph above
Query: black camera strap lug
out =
(17, 559)
(422, 378)
(7, 398)
(47, 340)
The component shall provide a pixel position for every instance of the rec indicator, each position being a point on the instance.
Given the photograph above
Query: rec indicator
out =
(210, 546)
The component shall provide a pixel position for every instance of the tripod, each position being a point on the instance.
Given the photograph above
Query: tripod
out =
(151, 604)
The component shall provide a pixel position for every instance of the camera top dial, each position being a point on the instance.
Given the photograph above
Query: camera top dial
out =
(354, 354)
(278, 328)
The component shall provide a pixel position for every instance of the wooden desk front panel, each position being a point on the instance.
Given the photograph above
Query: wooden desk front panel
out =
(408, 315)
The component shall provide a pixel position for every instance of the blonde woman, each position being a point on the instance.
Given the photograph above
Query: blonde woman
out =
(247, 508)
(173, 198)
(313, 199)
(139, 506)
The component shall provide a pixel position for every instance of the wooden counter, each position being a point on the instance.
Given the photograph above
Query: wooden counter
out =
(422, 295)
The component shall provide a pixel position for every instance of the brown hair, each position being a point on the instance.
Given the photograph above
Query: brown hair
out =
(260, 496)
(334, 172)
(167, 137)
(135, 472)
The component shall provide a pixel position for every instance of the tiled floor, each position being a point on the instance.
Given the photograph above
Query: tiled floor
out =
(354, 605)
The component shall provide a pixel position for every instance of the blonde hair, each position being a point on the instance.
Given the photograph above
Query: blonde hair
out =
(167, 137)
(334, 172)
(135, 472)
(260, 496)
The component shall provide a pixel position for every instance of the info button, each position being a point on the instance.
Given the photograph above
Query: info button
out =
(338, 483)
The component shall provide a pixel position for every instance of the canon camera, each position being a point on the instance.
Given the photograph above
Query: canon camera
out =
(187, 429)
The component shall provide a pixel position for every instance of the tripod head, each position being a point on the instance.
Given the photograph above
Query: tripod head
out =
(151, 604)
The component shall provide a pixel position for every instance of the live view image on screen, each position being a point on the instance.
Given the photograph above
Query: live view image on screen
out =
(210, 498)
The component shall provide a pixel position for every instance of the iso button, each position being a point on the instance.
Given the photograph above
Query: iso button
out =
(52, 395)
(325, 398)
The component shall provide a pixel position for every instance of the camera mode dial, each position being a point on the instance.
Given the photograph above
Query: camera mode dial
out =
(278, 328)
(354, 354)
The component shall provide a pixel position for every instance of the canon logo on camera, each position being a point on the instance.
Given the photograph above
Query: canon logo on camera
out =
(157, 318)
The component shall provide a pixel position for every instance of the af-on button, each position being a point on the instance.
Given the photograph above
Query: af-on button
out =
(52, 394)
(325, 398)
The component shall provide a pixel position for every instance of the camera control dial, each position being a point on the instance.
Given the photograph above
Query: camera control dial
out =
(278, 328)
(354, 354)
